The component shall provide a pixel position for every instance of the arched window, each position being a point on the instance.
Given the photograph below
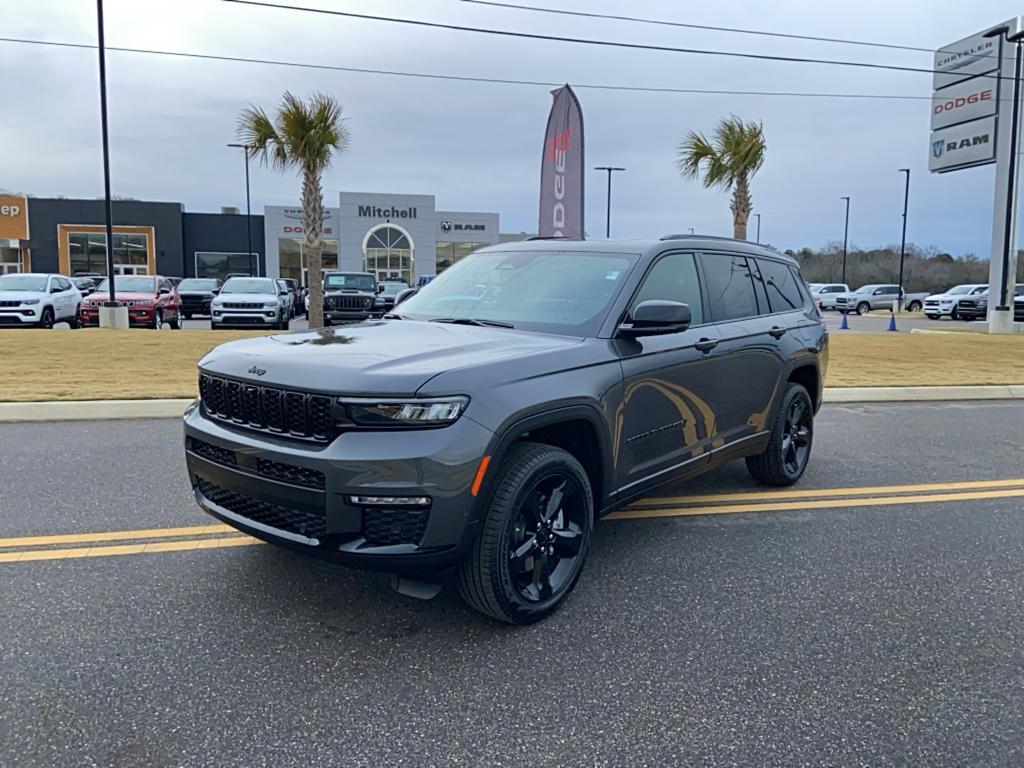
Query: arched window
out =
(388, 251)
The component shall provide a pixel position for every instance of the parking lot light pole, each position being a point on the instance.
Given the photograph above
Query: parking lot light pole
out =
(248, 206)
(111, 294)
(903, 240)
(608, 212)
(846, 236)
(758, 217)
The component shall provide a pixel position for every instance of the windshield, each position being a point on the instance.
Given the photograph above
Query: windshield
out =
(129, 284)
(249, 285)
(356, 282)
(391, 289)
(960, 290)
(566, 292)
(194, 284)
(867, 288)
(23, 283)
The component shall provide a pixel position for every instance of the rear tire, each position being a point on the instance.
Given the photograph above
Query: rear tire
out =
(175, 323)
(914, 306)
(789, 446)
(533, 539)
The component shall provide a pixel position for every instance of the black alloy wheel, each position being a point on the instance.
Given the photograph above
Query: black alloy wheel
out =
(46, 319)
(789, 445)
(546, 535)
(533, 539)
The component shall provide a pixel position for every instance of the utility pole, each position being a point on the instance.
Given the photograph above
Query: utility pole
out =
(846, 236)
(608, 212)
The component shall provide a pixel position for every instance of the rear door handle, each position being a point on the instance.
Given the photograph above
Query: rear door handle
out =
(706, 345)
(777, 332)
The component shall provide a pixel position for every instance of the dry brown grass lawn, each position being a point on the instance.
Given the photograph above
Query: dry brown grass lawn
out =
(102, 364)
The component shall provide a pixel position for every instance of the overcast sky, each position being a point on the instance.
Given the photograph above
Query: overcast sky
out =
(477, 146)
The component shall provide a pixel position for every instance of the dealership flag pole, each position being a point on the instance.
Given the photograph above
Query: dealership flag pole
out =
(248, 208)
(846, 237)
(106, 159)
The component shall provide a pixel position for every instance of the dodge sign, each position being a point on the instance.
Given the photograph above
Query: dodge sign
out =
(963, 102)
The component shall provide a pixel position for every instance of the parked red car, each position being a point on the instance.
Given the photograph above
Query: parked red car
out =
(152, 300)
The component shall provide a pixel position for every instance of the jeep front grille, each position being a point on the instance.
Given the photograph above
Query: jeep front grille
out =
(312, 525)
(349, 302)
(284, 412)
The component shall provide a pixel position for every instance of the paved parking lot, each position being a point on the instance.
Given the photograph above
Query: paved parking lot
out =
(834, 625)
(880, 322)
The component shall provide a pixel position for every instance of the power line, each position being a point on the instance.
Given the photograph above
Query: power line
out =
(587, 41)
(706, 27)
(469, 78)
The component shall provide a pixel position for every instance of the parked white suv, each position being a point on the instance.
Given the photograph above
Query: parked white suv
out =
(40, 300)
(826, 293)
(945, 304)
(246, 302)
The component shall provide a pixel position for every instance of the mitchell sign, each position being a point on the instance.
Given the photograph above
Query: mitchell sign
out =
(377, 212)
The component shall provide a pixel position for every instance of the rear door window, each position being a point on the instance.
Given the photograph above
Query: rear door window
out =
(783, 291)
(729, 285)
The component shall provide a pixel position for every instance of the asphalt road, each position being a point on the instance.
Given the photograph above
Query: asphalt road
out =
(858, 632)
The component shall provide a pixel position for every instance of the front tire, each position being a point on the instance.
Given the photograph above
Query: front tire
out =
(158, 319)
(863, 308)
(533, 540)
(46, 319)
(789, 446)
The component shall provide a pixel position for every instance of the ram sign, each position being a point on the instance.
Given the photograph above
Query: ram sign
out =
(962, 145)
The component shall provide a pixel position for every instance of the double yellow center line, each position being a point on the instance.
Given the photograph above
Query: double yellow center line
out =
(65, 546)
(102, 544)
(821, 498)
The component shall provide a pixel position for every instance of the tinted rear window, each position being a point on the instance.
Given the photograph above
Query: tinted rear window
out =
(782, 286)
(730, 287)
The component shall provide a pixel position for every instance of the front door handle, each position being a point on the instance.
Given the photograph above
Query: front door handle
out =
(777, 332)
(706, 345)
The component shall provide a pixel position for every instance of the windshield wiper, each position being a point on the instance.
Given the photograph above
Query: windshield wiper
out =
(472, 321)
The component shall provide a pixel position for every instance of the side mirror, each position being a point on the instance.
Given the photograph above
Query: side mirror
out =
(164, 291)
(653, 317)
(408, 293)
(215, 291)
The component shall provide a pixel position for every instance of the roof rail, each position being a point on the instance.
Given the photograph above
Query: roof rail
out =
(688, 235)
(553, 237)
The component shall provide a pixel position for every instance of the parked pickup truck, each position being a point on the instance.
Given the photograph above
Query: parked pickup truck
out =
(975, 307)
(877, 296)
(825, 293)
(945, 304)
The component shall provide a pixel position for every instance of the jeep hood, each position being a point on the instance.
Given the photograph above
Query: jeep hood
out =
(22, 295)
(248, 298)
(385, 357)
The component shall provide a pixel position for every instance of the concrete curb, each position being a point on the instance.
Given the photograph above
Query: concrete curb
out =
(102, 410)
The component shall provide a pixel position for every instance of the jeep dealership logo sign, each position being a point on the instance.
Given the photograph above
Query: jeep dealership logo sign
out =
(966, 144)
(13, 217)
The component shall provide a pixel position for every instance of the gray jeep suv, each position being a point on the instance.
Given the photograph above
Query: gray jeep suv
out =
(529, 389)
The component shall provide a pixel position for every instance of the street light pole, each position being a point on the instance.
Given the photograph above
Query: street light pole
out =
(608, 212)
(106, 157)
(248, 207)
(758, 217)
(846, 236)
(903, 240)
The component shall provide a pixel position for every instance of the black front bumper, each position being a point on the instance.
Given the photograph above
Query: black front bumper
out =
(298, 494)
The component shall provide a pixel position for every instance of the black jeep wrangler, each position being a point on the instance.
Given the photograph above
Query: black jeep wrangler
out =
(487, 423)
(348, 296)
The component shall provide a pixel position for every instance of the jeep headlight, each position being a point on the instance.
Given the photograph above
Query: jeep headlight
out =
(29, 302)
(270, 305)
(425, 412)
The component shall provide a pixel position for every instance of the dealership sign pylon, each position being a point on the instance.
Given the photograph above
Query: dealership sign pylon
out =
(976, 121)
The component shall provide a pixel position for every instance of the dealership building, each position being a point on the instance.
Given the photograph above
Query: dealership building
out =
(398, 237)
(392, 236)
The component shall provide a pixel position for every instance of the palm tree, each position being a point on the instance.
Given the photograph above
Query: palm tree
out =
(727, 162)
(305, 136)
